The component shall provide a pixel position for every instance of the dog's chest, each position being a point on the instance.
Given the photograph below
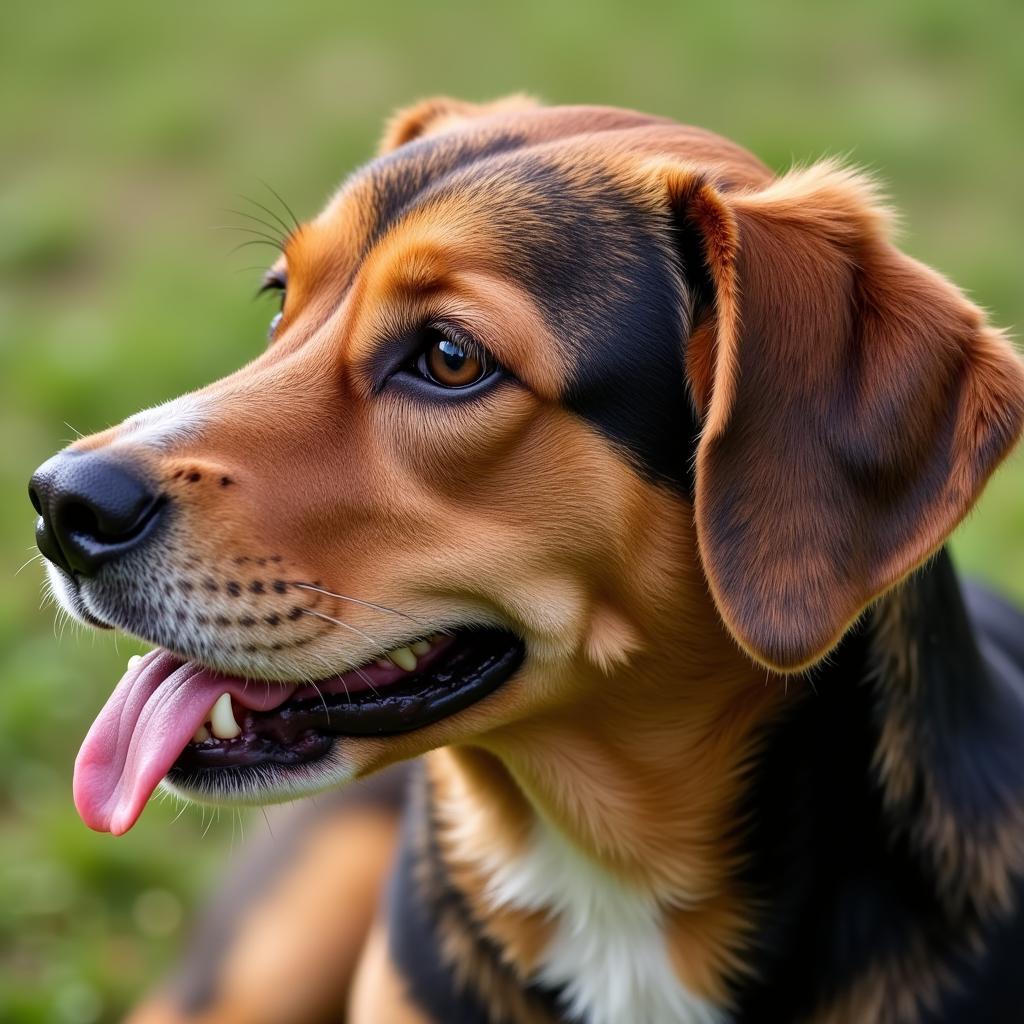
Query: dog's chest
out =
(607, 955)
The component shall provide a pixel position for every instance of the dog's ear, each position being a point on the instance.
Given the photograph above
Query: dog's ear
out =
(853, 404)
(428, 117)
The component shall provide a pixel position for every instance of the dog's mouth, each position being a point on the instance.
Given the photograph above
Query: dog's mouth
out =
(201, 729)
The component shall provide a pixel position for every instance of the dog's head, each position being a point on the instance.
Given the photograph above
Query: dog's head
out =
(550, 388)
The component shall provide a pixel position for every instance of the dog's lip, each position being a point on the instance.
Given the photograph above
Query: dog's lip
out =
(302, 729)
(74, 595)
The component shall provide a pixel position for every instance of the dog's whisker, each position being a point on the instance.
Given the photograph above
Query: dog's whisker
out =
(344, 625)
(271, 227)
(356, 600)
(74, 430)
(249, 270)
(323, 700)
(270, 188)
(266, 818)
(273, 239)
(37, 557)
(366, 679)
(266, 209)
(254, 241)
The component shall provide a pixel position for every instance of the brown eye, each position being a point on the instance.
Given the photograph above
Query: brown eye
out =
(454, 363)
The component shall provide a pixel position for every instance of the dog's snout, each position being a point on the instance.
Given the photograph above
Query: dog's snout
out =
(92, 509)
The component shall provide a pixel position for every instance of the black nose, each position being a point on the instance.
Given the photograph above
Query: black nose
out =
(92, 509)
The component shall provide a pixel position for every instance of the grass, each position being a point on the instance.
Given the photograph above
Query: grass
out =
(127, 127)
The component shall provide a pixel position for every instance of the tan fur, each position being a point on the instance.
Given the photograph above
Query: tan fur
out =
(379, 993)
(297, 946)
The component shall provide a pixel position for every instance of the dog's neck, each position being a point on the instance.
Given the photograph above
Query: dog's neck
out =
(616, 813)
(727, 808)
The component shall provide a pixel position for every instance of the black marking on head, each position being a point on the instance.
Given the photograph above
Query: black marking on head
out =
(398, 179)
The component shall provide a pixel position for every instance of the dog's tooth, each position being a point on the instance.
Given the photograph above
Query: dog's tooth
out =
(383, 663)
(201, 735)
(134, 660)
(403, 658)
(420, 647)
(222, 719)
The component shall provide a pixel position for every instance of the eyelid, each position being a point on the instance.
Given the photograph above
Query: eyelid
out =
(459, 335)
(273, 280)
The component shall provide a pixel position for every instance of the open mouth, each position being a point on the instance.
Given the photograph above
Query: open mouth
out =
(178, 719)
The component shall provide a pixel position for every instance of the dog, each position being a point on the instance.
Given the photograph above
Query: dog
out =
(604, 476)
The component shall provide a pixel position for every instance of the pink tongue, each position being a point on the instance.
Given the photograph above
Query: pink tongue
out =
(147, 722)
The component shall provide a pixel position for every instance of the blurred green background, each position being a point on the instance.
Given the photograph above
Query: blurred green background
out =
(126, 127)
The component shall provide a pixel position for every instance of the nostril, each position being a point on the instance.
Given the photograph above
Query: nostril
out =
(34, 498)
(77, 517)
(107, 526)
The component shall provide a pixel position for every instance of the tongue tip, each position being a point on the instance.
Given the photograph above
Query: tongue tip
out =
(95, 810)
(116, 826)
(114, 823)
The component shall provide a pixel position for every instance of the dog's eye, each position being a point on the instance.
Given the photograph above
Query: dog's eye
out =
(453, 362)
(275, 281)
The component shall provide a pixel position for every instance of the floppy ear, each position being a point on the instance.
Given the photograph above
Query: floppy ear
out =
(854, 403)
(429, 117)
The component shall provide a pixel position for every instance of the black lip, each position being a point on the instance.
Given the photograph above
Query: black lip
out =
(301, 731)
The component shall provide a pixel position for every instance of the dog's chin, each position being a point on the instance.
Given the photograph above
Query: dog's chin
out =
(268, 783)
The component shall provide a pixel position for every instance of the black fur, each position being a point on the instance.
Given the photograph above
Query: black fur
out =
(419, 896)
(846, 887)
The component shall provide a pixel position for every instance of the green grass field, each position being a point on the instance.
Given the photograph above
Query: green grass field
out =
(127, 127)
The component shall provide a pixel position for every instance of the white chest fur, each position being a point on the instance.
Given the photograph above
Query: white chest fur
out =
(607, 953)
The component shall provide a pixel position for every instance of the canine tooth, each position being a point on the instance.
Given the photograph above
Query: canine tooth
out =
(420, 647)
(403, 658)
(134, 660)
(201, 734)
(222, 719)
